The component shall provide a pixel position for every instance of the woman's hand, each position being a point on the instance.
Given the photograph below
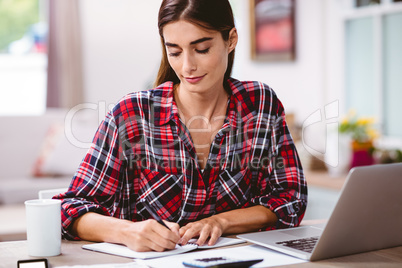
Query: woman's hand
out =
(139, 236)
(211, 228)
(150, 235)
(230, 222)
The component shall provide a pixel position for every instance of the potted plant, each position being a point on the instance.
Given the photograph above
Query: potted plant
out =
(363, 134)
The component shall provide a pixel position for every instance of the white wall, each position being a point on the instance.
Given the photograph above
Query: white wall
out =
(122, 53)
(300, 83)
(314, 79)
(121, 47)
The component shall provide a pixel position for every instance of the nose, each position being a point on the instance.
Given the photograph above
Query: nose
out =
(189, 63)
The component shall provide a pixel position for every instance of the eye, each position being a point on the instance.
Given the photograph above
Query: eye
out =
(204, 51)
(174, 54)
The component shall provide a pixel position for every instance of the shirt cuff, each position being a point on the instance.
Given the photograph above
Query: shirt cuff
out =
(289, 213)
(72, 209)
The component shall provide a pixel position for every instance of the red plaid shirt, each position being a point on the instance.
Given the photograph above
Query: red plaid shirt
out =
(142, 152)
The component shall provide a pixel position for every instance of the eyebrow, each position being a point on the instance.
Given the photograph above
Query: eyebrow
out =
(192, 43)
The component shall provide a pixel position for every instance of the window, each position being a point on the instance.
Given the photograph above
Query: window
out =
(23, 61)
(373, 62)
(363, 3)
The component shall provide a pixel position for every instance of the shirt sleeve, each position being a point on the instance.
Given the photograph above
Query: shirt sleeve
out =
(283, 186)
(96, 183)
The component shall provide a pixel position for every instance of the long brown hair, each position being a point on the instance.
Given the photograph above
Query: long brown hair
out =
(210, 14)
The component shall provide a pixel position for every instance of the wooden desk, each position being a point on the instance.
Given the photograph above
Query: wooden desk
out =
(12, 222)
(72, 254)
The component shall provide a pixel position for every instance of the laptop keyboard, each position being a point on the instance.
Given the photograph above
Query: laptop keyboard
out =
(304, 244)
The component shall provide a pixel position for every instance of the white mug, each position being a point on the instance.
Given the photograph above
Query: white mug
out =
(43, 227)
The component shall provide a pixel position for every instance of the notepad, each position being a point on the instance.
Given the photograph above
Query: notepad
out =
(121, 250)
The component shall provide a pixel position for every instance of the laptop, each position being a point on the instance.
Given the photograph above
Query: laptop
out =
(366, 217)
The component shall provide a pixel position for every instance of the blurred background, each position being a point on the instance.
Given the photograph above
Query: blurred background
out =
(336, 65)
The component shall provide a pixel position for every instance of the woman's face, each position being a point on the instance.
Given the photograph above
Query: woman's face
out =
(198, 56)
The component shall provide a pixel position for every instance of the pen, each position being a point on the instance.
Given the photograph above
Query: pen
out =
(154, 214)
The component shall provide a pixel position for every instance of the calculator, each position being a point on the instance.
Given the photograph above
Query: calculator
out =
(220, 262)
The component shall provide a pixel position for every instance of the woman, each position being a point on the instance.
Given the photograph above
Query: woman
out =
(211, 155)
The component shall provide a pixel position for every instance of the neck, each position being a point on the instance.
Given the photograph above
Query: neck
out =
(206, 105)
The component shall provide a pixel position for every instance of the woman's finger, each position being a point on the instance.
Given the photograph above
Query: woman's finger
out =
(204, 234)
(189, 231)
(214, 236)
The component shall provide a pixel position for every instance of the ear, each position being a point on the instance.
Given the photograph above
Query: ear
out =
(233, 38)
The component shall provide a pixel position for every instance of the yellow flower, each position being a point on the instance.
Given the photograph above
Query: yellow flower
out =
(344, 121)
(361, 128)
(365, 121)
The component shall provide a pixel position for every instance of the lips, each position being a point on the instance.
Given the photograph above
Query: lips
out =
(195, 79)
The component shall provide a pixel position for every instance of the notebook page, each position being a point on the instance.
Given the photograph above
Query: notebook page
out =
(222, 242)
(121, 250)
(108, 265)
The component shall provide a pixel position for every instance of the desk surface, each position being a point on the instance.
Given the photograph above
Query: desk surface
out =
(72, 254)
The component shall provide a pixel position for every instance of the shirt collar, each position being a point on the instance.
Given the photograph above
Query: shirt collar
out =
(241, 108)
(165, 108)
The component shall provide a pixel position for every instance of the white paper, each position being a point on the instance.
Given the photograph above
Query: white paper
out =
(109, 265)
(271, 258)
(221, 242)
(124, 251)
